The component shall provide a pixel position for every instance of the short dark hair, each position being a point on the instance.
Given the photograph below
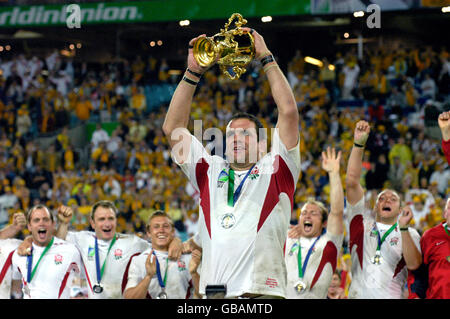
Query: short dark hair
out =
(159, 213)
(38, 206)
(254, 119)
(105, 204)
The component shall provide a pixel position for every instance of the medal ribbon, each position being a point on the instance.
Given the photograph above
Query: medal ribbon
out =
(234, 195)
(381, 240)
(302, 269)
(30, 273)
(162, 282)
(97, 259)
(446, 229)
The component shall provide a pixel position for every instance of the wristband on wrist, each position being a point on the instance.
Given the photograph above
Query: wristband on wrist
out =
(189, 81)
(404, 228)
(358, 145)
(194, 73)
(263, 55)
(267, 59)
(267, 67)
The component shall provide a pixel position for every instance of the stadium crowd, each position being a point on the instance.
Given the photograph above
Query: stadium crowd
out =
(399, 91)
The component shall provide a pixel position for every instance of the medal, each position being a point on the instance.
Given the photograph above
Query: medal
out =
(98, 289)
(300, 287)
(162, 294)
(376, 260)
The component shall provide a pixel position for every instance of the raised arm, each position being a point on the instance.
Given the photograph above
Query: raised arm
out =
(331, 163)
(412, 255)
(288, 117)
(19, 223)
(177, 117)
(64, 217)
(444, 125)
(354, 166)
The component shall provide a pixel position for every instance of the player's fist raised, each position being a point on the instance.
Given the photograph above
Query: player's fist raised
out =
(64, 214)
(19, 221)
(444, 125)
(361, 134)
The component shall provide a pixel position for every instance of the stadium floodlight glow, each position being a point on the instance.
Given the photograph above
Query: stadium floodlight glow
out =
(266, 19)
(72, 47)
(152, 43)
(313, 61)
(331, 67)
(184, 23)
(445, 9)
(79, 45)
(1, 48)
(7, 47)
(159, 42)
(346, 35)
(358, 14)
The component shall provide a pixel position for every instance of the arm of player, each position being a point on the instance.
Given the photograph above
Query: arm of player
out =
(354, 166)
(288, 117)
(175, 249)
(140, 291)
(411, 254)
(64, 216)
(196, 258)
(10, 231)
(177, 117)
(331, 163)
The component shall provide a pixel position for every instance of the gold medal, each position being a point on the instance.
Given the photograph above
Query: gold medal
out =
(300, 287)
(376, 260)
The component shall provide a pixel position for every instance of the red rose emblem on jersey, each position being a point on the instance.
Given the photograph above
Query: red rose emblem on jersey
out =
(118, 253)
(181, 265)
(58, 259)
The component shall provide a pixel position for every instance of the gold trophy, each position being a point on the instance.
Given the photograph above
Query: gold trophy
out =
(232, 49)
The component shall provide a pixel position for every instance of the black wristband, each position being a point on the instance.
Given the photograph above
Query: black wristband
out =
(404, 228)
(194, 73)
(358, 145)
(189, 81)
(267, 59)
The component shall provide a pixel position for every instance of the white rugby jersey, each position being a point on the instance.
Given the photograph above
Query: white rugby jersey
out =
(371, 281)
(54, 274)
(7, 247)
(178, 281)
(243, 245)
(319, 269)
(123, 249)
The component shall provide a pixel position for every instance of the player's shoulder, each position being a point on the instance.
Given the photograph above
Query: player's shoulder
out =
(432, 232)
(10, 243)
(62, 244)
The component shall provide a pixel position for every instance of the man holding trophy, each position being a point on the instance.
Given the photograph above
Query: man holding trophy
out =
(246, 199)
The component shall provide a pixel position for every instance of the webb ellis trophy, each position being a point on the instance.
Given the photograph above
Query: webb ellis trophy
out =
(232, 49)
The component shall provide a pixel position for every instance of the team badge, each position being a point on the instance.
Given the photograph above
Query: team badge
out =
(181, 265)
(58, 259)
(227, 220)
(254, 174)
(118, 254)
(394, 241)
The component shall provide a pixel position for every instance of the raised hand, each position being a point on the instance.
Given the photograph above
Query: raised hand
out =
(444, 125)
(65, 214)
(19, 221)
(196, 258)
(191, 62)
(331, 161)
(361, 133)
(405, 216)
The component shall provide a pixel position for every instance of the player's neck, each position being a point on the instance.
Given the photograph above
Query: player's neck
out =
(43, 244)
(241, 166)
(386, 221)
(164, 249)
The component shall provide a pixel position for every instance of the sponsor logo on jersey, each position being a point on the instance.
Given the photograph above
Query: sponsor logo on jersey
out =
(254, 174)
(223, 178)
(91, 253)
